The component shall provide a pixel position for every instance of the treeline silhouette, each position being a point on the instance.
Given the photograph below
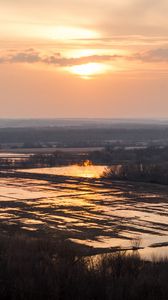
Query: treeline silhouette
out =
(141, 172)
(84, 136)
(108, 155)
(40, 160)
(136, 154)
(32, 269)
(148, 164)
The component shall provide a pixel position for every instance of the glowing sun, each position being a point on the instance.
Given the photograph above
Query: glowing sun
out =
(88, 70)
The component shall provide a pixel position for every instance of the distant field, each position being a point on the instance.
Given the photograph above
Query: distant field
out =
(49, 150)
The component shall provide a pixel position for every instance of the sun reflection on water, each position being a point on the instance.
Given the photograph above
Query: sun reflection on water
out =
(108, 216)
(86, 170)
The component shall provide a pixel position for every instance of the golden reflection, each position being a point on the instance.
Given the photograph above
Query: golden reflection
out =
(78, 205)
(87, 170)
(87, 163)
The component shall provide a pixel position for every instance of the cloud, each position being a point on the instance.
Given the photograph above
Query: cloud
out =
(32, 56)
(63, 61)
(108, 17)
(135, 17)
(156, 55)
(27, 56)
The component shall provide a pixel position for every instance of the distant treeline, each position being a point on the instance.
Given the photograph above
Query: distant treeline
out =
(148, 154)
(40, 160)
(83, 136)
(108, 156)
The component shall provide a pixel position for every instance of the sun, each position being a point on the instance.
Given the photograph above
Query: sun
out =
(88, 70)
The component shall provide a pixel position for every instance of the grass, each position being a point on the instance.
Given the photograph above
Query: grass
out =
(32, 268)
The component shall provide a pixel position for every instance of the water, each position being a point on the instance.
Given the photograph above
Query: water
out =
(101, 215)
(88, 171)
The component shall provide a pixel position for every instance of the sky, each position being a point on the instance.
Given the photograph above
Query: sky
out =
(81, 58)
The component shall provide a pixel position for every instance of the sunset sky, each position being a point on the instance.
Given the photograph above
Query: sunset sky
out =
(81, 58)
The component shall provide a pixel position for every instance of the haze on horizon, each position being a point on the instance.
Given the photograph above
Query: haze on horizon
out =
(80, 58)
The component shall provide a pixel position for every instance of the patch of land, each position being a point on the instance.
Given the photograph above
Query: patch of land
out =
(48, 150)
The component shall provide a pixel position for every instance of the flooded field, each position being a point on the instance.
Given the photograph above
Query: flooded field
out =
(90, 212)
(14, 156)
(88, 171)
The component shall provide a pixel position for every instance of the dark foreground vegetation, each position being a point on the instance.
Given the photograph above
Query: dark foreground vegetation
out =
(33, 268)
(140, 172)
